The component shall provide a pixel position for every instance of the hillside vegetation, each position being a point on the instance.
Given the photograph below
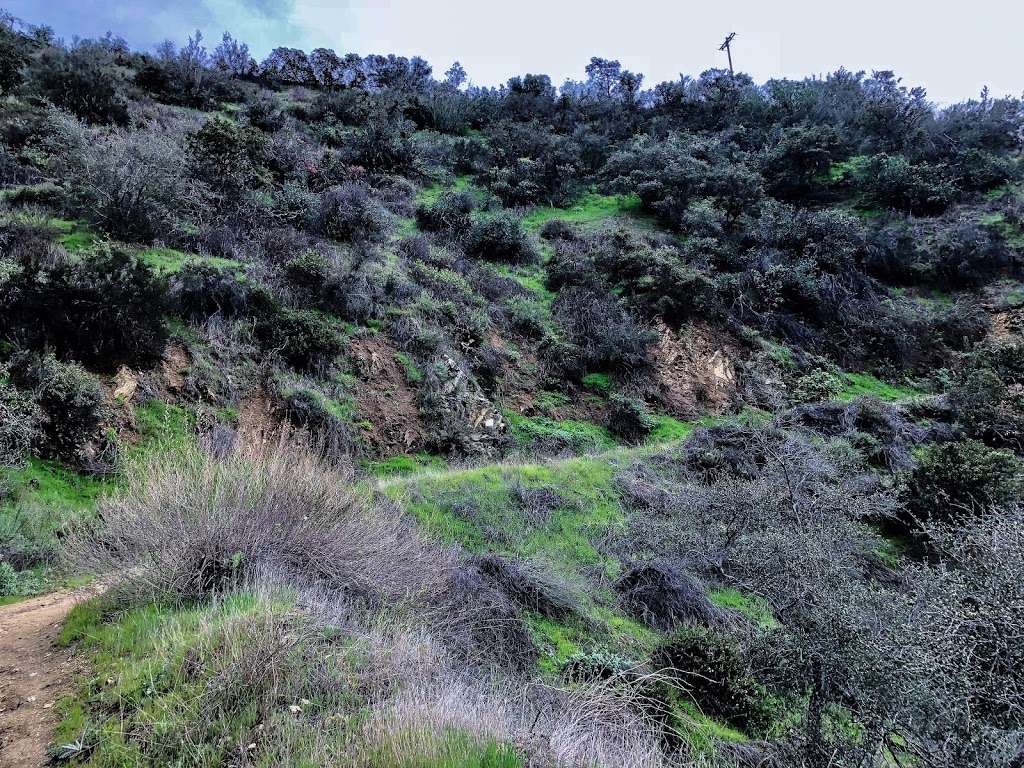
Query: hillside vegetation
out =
(414, 424)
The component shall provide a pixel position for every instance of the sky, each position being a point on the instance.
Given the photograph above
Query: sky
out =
(951, 47)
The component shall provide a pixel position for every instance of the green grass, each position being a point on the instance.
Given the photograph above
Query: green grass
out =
(1014, 235)
(856, 385)
(579, 436)
(44, 498)
(477, 508)
(413, 374)
(430, 194)
(402, 466)
(190, 686)
(161, 427)
(667, 429)
(702, 732)
(591, 208)
(599, 382)
(454, 748)
(754, 608)
(168, 261)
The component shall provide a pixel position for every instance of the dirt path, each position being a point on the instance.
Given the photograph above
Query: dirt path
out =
(33, 674)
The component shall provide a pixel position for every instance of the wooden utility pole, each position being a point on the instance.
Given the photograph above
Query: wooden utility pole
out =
(728, 50)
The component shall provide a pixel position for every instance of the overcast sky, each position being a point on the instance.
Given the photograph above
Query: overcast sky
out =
(951, 47)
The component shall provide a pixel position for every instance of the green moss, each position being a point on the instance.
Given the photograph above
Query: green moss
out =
(50, 485)
(667, 429)
(78, 240)
(430, 194)
(557, 642)
(400, 466)
(702, 732)
(547, 401)
(161, 427)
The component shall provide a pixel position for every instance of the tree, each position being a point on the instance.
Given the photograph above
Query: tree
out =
(232, 56)
(456, 76)
(82, 81)
(288, 65)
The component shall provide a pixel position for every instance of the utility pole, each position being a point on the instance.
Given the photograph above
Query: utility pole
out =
(728, 50)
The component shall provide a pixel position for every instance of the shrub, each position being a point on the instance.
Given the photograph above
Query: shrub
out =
(666, 598)
(200, 290)
(500, 238)
(111, 310)
(349, 212)
(19, 423)
(892, 181)
(670, 174)
(305, 339)
(230, 159)
(953, 480)
(71, 404)
(709, 667)
(325, 410)
(606, 337)
(451, 214)
(629, 418)
(191, 524)
(131, 184)
(815, 386)
(14, 54)
(557, 229)
(83, 81)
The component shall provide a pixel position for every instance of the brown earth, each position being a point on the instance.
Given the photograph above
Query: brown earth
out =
(385, 402)
(34, 674)
(694, 370)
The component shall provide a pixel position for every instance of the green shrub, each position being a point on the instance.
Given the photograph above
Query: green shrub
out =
(815, 386)
(71, 403)
(956, 479)
(349, 212)
(501, 237)
(84, 81)
(19, 421)
(111, 310)
(709, 667)
(629, 418)
(451, 213)
(304, 339)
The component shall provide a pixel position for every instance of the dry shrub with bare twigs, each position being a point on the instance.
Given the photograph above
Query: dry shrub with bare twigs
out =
(192, 524)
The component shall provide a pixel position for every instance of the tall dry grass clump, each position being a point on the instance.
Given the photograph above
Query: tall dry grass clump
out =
(190, 524)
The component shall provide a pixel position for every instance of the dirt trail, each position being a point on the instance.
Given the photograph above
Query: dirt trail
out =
(33, 674)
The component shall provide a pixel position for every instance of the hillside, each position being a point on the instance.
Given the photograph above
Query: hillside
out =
(388, 421)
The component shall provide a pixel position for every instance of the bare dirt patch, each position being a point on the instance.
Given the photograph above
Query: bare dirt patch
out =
(34, 674)
(694, 370)
(387, 404)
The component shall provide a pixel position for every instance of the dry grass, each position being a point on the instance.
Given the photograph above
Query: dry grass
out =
(190, 524)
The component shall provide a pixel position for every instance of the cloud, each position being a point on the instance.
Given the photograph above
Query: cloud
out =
(261, 23)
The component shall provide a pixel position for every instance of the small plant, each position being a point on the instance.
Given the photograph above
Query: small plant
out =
(349, 212)
(70, 401)
(816, 386)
